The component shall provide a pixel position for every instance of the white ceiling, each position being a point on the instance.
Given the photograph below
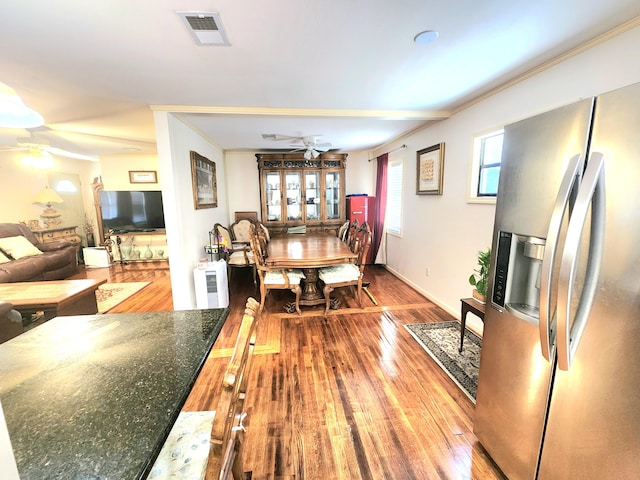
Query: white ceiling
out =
(344, 69)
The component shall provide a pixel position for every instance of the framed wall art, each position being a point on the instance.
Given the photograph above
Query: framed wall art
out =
(430, 168)
(143, 176)
(203, 178)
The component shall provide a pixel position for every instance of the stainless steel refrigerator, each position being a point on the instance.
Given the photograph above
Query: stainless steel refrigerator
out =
(559, 383)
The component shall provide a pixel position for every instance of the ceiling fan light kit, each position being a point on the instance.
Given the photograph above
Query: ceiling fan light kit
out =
(309, 154)
(14, 113)
(38, 158)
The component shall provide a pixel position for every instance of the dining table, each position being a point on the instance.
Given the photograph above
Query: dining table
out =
(308, 252)
(95, 396)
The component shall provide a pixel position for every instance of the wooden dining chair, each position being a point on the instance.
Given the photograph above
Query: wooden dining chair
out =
(348, 274)
(239, 253)
(211, 442)
(240, 230)
(271, 278)
(351, 233)
(342, 231)
(227, 434)
(262, 233)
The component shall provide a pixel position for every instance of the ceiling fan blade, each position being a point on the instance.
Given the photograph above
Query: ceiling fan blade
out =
(66, 153)
(277, 137)
(39, 142)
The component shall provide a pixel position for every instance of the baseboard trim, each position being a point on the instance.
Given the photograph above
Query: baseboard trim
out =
(455, 313)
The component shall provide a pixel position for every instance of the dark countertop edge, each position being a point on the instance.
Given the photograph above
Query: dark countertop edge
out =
(147, 468)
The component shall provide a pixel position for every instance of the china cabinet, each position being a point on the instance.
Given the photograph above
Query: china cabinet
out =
(295, 191)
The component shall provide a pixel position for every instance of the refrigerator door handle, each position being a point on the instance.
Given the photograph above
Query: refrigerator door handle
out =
(547, 316)
(591, 194)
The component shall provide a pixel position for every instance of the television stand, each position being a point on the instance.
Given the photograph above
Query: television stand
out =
(139, 246)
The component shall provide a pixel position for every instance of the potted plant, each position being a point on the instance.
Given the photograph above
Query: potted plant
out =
(480, 276)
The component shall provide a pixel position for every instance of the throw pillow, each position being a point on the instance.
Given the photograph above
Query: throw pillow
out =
(18, 247)
(3, 258)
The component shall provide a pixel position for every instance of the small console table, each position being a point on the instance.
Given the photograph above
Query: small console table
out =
(46, 235)
(469, 305)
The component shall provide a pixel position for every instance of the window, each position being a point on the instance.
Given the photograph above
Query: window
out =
(485, 172)
(393, 217)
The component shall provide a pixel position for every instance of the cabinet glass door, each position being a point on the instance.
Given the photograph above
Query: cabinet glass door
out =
(293, 191)
(274, 197)
(312, 195)
(332, 186)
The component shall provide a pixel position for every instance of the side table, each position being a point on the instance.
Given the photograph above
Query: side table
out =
(469, 305)
(47, 235)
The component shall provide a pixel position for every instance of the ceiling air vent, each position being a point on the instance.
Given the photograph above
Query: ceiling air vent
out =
(206, 27)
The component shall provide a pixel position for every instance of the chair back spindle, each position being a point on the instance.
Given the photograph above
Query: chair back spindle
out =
(227, 434)
(351, 233)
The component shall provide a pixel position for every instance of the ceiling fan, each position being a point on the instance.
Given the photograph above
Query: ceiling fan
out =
(310, 145)
(39, 148)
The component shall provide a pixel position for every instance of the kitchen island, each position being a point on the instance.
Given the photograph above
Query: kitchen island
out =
(95, 396)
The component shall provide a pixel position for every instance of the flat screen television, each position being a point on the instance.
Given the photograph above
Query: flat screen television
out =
(132, 211)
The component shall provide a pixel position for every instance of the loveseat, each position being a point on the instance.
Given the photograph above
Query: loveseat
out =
(21, 262)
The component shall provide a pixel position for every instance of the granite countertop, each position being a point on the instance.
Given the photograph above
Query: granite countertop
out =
(94, 396)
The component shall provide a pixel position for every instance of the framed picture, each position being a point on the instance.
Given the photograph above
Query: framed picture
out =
(143, 176)
(203, 178)
(430, 168)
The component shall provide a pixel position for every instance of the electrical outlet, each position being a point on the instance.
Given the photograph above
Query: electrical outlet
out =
(427, 271)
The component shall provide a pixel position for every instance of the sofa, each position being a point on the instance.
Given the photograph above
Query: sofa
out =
(21, 262)
(10, 322)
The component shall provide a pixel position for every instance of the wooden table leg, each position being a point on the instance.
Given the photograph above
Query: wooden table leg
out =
(463, 322)
(469, 305)
(311, 294)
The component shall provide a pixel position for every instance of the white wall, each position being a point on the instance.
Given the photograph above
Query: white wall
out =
(243, 182)
(187, 228)
(19, 184)
(115, 171)
(445, 232)
(361, 174)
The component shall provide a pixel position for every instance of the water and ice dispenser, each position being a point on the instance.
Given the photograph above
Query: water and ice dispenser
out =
(516, 283)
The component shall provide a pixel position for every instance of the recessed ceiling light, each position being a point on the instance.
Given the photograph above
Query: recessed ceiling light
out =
(425, 37)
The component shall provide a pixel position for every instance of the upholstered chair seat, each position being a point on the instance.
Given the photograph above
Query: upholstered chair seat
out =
(240, 259)
(276, 277)
(348, 272)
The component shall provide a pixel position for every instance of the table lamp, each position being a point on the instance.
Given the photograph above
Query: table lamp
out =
(50, 215)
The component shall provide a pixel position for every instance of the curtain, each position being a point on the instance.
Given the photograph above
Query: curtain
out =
(381, 200)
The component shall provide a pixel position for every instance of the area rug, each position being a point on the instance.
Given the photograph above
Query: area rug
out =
(441, 340)
(109, 295)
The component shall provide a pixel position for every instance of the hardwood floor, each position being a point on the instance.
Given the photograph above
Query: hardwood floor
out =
(352, 396)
